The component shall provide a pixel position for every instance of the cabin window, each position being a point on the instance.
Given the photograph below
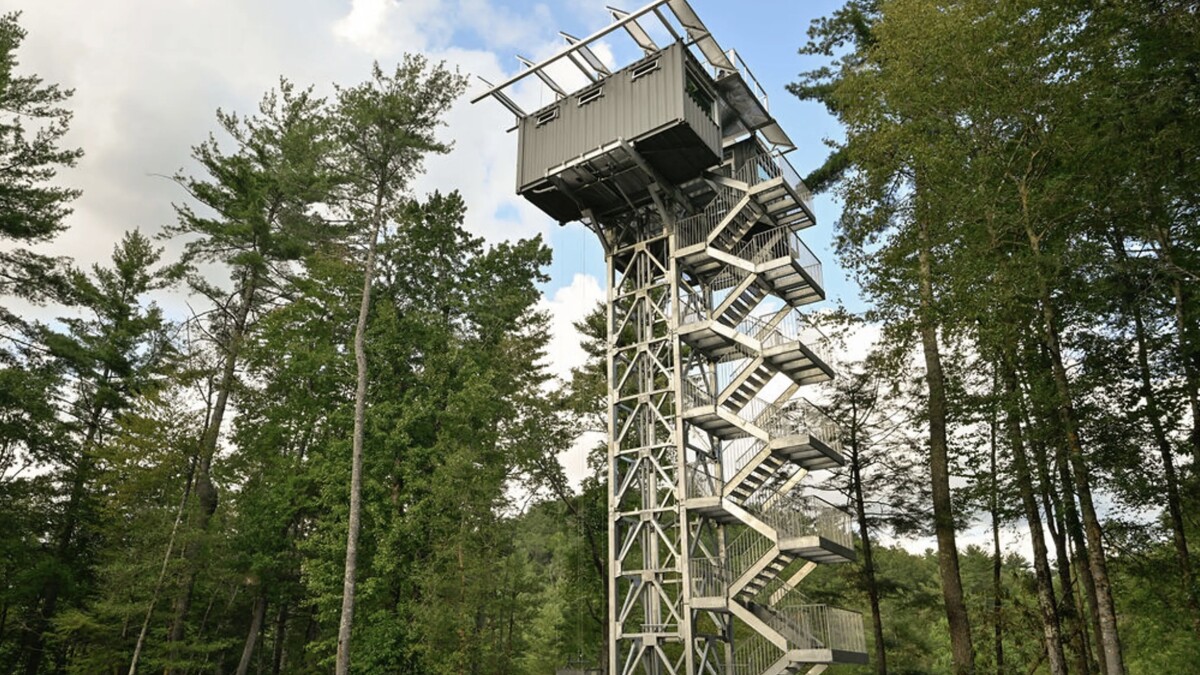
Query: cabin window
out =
(644, 69)
(589, 96)
(700, 95)
(547, 116)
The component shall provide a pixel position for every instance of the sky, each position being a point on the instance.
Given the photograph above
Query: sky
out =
(149, 76)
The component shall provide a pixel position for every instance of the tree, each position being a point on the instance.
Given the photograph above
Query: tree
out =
(258, 216)
(114, 351)
(32, 209)
(384, 128)
(874, 421)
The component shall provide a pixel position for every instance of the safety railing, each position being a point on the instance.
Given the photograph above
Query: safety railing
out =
(696, 228)
(758, 169)
(728, 368)
(691, 313)
(818, 627)
(762, 168)
(739, 453)
(710, 579)
(782, 242)
(728, 279)
(817, 423)
(753, 655)
(793, 418)
(794, 327)
(747, 548)
(793, 178)
(794, 515)
(695, 395)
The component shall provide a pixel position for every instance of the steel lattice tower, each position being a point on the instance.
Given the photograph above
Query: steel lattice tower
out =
(676, 164)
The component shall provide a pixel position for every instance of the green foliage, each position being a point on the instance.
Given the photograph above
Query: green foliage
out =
(31, 127)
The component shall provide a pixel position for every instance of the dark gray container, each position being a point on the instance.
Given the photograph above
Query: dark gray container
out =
(574, 154)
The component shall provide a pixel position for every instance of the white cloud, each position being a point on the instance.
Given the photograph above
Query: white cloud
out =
(569, 305)
(386, 28)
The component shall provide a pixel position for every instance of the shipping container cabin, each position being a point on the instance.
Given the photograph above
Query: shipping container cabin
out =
(598, 148)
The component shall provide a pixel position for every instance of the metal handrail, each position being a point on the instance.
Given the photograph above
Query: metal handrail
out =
(794, 515)
(794, 327)
(728, 279)
(737, 459)
(746, 549)
(701, 482)
(710, 579)
(793, 178)
(761, 168)
(818, 627)
(796, 417)
(782, 242)
(696, 228)
(753, 655)
(695, 396)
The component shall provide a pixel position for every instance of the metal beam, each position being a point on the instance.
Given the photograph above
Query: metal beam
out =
(633, 16)
(505, 100)
(588, 55)
(635, 30)
(543, 76)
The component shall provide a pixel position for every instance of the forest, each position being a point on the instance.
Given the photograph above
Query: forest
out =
(346, 458)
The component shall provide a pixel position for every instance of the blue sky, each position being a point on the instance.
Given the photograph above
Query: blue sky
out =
(148, 78)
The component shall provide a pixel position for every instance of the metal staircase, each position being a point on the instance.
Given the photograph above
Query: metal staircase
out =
(749, 352)
(675, 162)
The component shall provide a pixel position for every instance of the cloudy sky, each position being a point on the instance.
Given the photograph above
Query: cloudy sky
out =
(148, 77)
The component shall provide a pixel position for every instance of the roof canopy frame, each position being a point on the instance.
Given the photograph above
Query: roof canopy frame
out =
(579, 50)
(687, 27)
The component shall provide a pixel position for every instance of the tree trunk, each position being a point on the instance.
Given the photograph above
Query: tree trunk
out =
(962, 651)
(1166, 453)
(1184, 339)
(997, 559)
(206, 491)
(1075, 551)
(35, 644)
(1110, 637)
(162, 570)
(281, 625)
(360, 401)
(1191, 379)
(1071, 619)
(256, 622)
(1082, 556)
(864, 534)
(1047, 604)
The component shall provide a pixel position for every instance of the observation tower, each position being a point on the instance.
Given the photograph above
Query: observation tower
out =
(675, 162)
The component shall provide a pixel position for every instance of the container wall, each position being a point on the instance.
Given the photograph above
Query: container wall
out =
(625, 107)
